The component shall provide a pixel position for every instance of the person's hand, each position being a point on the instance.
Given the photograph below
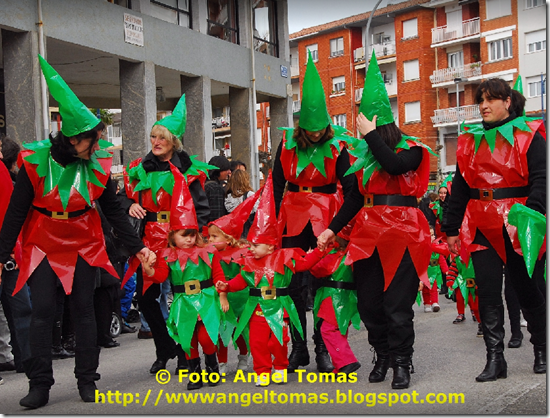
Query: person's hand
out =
(143, 254)
(221, 286)
(224, 302)
(1, 268)
(420, 286)
(136, 211)
(325, 238)
(453, 243)
(364, 125)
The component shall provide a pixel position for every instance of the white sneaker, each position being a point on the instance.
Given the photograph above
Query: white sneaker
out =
(436, 307)
(243, 362)
(262, 380)
(278, 377)
(427, 308)
(223, 368)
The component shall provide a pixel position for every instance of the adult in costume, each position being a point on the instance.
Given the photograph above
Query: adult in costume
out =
(62, 240)
(390, 244)
(499, 164)
(311, 159)
(149, 186)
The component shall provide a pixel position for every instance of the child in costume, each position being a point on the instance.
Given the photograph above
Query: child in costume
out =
(335, 306)
(269, 308)
(222, 233)
(193, 269)
(438, 266)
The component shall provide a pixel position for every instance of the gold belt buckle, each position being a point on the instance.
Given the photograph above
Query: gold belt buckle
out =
(163, 217)
(434, 263)
(369, 200)
(485, 195)
(305, 189)
(60, 215)
(470, 283)
(268, 292)
(192, 287)
(259, 313)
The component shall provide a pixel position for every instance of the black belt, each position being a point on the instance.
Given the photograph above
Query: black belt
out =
(502, 193)
(267, 292)
(62, 215)
(192, 287)
(161, 217)
(389, 200)
(336, 285)
(328, 189)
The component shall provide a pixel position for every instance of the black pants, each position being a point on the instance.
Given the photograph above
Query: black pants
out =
(388, 315)
(531, 292)
(149, 306)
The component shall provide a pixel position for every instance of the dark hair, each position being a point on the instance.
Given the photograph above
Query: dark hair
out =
(64, 150)
(390, 133)
(235, 164)
(221, 162)
(303, 141)
(518, 103)
(10, 151)
(494, 88)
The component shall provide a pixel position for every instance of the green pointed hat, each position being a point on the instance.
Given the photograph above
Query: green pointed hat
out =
(77, 118)
(313, 113)
(375, 99)
(518, 86)
(177, 121)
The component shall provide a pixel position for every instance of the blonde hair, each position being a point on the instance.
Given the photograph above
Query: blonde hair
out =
(199, 241)
(161, 130)
(232, 242)
(239, 183)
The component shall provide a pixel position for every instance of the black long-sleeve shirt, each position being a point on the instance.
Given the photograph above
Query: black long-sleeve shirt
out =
(536, 163)
(279, 180)
(390, 161)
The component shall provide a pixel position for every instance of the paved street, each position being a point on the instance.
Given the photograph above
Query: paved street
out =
(446, 360)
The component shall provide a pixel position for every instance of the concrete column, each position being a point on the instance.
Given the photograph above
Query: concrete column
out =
(243, 146)
(197, 139)
(280, 116)
(245, 23)
(282, 29)
(199, 14)
(22, 87)
(139, 107)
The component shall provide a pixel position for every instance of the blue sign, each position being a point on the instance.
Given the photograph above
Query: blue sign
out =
(284, 71)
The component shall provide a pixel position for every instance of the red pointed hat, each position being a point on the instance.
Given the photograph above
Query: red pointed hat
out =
(264, 227)
(233, 223)
(182, 210)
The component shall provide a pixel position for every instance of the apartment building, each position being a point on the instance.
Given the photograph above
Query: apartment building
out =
(140, 56)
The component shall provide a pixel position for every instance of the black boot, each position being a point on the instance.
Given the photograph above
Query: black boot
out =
(182, 365)
(194, 367)
(212, 368)
(492, 321)
(401, 371)
(322, 358)
(299, 356)
(85, 371)
(536, 325)
(540, 359)
(381, 366)
(39, 371)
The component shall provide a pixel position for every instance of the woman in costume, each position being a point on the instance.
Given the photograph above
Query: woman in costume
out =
(62, 239)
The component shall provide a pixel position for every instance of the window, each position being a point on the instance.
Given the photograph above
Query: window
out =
(340, 120)
(222, 20)
(314, 52)
(174, 11)
(412, 112)
(381, 38)
(500, 49)
(265, 27)
(455, 59)
(336, 47)
(338, 84)
(498, 8)
(536, 41)
(535, 86)
(388, 78)
(529, 4)
(410, 28)
(412, 70)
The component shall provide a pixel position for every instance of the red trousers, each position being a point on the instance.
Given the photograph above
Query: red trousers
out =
(200, 336)
(471, 302)
(430, 296)
(264, 345)
(222, 349)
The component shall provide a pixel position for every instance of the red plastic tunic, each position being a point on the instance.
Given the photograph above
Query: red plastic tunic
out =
(299, 208)
(61, 241)
(506, 166)
(393, 229)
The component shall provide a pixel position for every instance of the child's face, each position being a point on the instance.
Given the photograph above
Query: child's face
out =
(432, 234)
(261, 250)
(184, 242)
(217, 238)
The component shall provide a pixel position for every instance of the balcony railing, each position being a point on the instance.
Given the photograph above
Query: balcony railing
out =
(443, 33)
(449, 74)
(381, 50)
(449, 115)
(296, 106)
(294, 71)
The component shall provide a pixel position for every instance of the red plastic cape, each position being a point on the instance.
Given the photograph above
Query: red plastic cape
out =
(6, 187)
(506, 166)
(185, 254)
(392, 230)
(234, 255)
(62, 241)
(328, 265)
(272, 263)
(440, 247)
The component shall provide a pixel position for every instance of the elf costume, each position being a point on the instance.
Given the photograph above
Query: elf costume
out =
(436, 270)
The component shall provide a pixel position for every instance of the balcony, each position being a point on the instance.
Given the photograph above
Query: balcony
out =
(449, 115)
(358, 94)
(380, 50)
(296, 106)
(446, 75)
(444, 34)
